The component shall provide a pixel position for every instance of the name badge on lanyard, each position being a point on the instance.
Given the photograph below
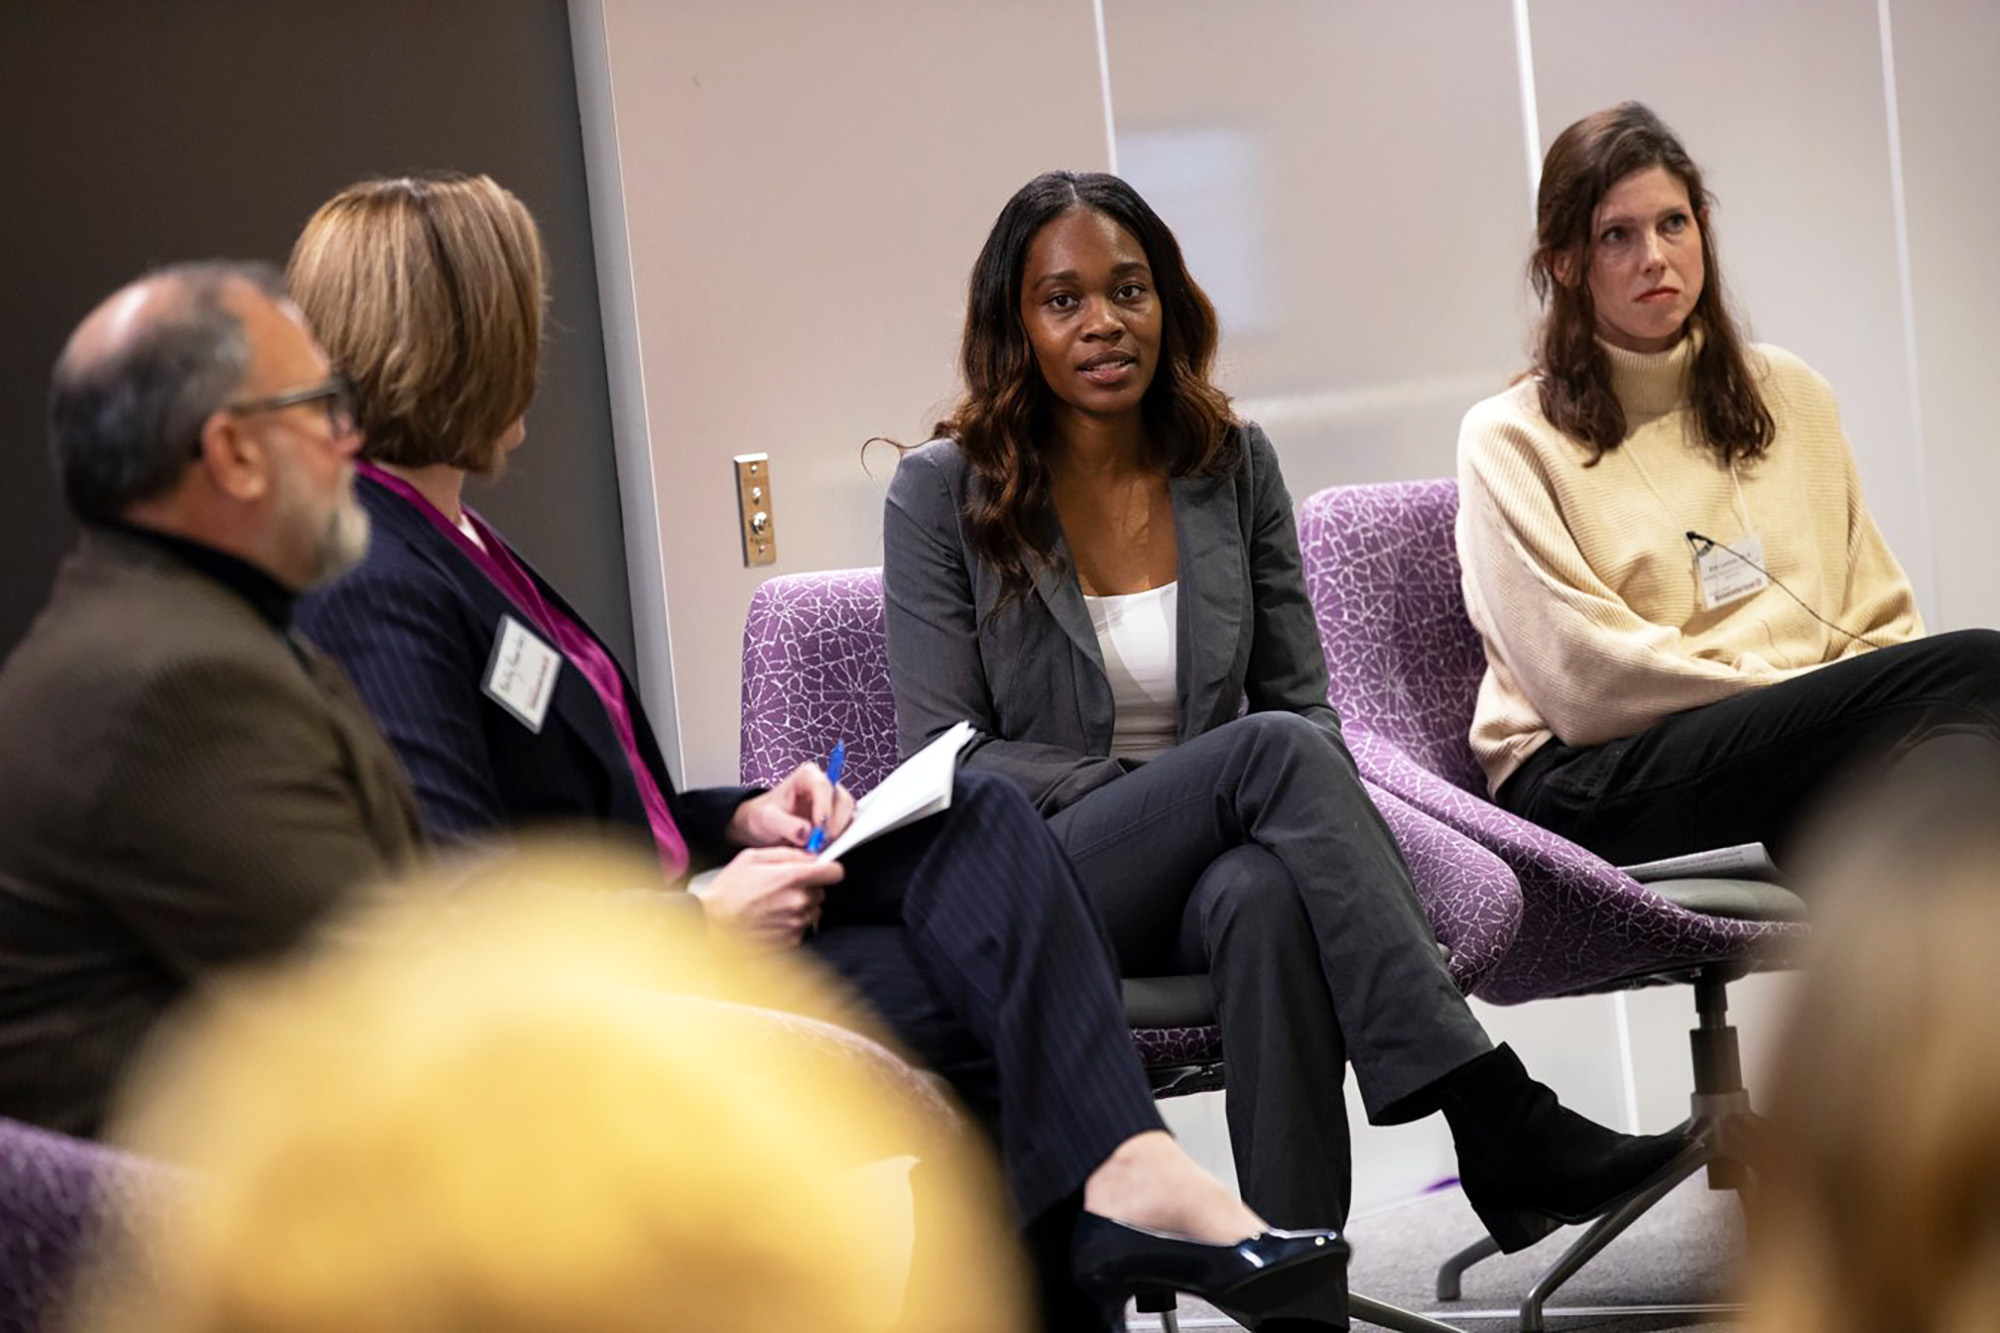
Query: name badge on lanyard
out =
(1732, 573)
(521, 673)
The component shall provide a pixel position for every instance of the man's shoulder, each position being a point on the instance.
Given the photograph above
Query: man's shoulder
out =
(124, 652)
(117, 615)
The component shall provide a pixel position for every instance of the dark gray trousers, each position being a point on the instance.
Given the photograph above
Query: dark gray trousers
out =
(1252, 853)
(1754, 768)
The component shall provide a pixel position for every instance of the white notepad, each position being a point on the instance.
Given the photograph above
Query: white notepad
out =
(1747, 860)
(920, 786)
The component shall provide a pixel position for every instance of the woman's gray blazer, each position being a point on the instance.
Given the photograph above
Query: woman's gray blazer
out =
(1031, 679)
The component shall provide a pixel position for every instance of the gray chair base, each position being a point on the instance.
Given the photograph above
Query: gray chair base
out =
(1722, 1129)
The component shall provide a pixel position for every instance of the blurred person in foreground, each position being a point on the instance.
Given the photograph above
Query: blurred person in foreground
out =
(966, 931)
(1881, 1199)
(184, 782)
(496, 1100)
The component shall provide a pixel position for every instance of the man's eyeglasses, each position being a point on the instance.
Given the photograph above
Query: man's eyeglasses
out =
(336, 392)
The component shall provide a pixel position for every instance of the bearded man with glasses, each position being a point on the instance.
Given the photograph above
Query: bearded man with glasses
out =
(184, 782)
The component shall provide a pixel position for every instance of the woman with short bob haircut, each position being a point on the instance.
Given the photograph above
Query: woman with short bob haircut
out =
(443, 357)
(1096, 563)
(1691, 621)
(966, 931)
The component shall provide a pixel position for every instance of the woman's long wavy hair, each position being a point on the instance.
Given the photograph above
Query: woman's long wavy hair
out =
(1003, 422)
(1585, 161)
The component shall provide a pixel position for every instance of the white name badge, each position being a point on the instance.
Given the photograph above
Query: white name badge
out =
(1733, 574)
(521, 673)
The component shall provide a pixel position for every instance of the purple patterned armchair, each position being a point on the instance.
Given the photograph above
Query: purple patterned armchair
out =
(55, 1194)
(1382, 571)
(816, 670)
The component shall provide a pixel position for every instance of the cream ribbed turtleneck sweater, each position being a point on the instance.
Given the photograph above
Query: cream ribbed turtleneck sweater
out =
(1585, 590)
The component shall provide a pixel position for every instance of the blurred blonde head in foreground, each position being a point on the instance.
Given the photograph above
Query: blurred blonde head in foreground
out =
(496, 1103)
(1882, 1206)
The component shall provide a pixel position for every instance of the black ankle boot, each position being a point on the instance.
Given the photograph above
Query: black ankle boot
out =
(1530, 1165)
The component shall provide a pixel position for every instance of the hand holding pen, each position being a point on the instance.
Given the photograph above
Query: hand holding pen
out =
(801, 814)
(835, 764)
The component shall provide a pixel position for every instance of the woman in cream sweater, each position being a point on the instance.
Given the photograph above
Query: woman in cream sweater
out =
(1692, 624)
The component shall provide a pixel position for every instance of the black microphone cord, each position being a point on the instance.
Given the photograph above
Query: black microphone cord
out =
(1702, 544)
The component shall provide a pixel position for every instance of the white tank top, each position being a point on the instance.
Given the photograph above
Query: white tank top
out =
(1136, 634)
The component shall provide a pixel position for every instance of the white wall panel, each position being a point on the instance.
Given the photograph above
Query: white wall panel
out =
(1346, 180)
(1950, 105)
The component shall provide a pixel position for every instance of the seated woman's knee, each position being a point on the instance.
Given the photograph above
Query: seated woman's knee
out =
(1298, 739)
(1287, 730)
(1976, 649)
(1966, 664)
(1249, 889)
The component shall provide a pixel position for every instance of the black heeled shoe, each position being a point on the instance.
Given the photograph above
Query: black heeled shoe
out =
(1528, 1163)
(1115, 1261)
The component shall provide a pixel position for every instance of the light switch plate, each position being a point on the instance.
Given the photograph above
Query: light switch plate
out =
(753, 509)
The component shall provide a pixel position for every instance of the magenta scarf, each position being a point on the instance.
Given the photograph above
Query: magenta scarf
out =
(495, 559)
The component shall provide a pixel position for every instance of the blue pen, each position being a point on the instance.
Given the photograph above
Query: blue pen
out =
(834, 763)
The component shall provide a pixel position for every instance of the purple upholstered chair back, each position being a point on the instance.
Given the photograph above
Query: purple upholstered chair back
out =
(56, 1193)
(1405, 662)
(1382, 572)
(816, 669)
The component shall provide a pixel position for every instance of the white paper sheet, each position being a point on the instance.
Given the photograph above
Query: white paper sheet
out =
(920, 786)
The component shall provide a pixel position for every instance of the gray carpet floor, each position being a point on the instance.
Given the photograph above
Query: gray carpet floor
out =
(1683, 1252)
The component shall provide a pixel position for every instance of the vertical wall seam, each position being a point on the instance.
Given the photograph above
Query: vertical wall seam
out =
(1104, 82)
(1899, 202)
(617, 295)
(1621, 1023)
(1531, 120)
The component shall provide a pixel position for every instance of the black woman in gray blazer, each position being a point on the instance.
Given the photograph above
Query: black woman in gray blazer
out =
(1091, 477)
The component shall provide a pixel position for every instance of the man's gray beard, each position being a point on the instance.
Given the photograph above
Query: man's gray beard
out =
(344, 544)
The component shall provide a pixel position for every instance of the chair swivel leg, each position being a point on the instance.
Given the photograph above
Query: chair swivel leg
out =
(1721, 1103)
(1450, 1285)
(1600, 1234)
(1721, 1127)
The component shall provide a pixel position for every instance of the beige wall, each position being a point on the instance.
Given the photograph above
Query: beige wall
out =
(1365, 253)
(804, 187)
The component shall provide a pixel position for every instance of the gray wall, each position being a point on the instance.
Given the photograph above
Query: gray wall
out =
(137, 134)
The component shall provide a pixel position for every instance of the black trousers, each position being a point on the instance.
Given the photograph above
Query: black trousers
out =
(1754, 768)
(969, 934)
(1252, 853)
